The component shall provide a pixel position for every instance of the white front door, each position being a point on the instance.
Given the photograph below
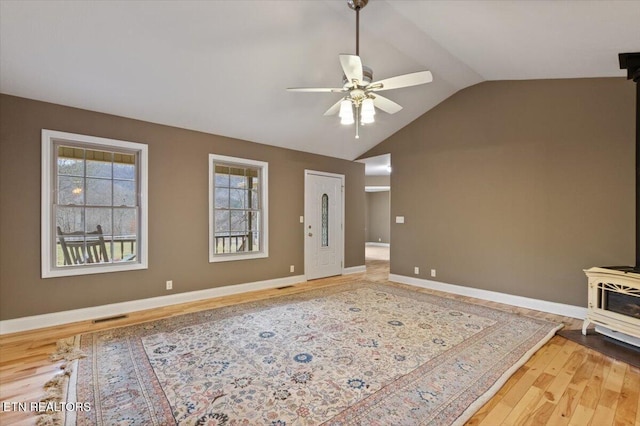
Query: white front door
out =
(324, 236)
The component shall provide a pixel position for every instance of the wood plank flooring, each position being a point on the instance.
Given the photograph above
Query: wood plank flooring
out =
(562, 384)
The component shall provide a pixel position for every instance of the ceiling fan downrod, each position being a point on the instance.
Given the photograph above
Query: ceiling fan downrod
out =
(357, 5)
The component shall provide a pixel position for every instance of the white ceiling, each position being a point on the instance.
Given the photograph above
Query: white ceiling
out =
(222, 66)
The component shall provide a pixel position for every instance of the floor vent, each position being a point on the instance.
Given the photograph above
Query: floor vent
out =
(117, 317)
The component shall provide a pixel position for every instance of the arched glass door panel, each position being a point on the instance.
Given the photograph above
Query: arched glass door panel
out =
(325, 220)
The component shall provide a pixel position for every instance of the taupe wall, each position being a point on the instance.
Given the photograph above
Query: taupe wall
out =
(377, 180)
(178, 211)
(377, 217)
(516, 186)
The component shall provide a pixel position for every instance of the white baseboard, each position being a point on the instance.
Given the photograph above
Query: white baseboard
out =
(378, 244)
(354, 270)
(509, 299)
(84, 314)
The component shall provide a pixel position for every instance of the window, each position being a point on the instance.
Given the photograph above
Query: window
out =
(238, 213)
(94, 205)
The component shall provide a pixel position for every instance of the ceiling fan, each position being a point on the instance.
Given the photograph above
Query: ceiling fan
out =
(361, 94)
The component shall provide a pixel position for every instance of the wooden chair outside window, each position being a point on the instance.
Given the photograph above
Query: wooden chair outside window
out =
(78, 249)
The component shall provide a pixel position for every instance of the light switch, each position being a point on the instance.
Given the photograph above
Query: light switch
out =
(399, 219)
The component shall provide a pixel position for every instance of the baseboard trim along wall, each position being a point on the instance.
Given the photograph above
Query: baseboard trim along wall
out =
(375, 244)
(354, 270)
(84, 314)
(509, 299)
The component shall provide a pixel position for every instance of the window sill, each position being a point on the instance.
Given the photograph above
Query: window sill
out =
(233, 257)
(91, 269)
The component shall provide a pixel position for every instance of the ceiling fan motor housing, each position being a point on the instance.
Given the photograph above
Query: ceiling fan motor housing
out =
(367, 78)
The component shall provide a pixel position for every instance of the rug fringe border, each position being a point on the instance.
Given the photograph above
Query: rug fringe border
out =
(62, 385)
(493, 390)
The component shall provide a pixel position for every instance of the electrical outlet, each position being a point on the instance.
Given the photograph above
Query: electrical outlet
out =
(292, 268)
(433, 272)
(169, 285)
(416, 270)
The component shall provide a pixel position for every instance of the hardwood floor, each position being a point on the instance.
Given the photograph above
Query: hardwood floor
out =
(562, 384)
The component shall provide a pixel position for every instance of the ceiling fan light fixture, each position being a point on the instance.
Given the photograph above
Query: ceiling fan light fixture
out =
(346, 112)
(359, 103)
(368, 111)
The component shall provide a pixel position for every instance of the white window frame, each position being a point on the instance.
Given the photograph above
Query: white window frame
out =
(264, 211)
(48, 228)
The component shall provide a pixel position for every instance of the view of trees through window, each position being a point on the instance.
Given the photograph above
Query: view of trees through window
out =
(237, 209)
(96, 187)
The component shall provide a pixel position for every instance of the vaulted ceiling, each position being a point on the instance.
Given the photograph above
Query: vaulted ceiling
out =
(222, 67)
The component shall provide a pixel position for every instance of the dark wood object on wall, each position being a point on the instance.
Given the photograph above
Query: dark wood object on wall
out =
(631, 62)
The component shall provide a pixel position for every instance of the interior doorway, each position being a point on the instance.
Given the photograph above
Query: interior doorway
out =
(377, 211)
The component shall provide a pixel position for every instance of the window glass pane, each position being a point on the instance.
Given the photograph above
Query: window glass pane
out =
(99, 192)
(97, 216)
(70, 219)
(237, 198)
(236, 181)
(222, 180)
(253, 241)
(325, 220)
(254, 221)
(222, 198)
(124, 166)
(124, 193)
(70, 190)
(73, 251)
(238, 222)
(99, 163)
(124, 244)
(125, 221)
(223, 223)
(255, 200)
(123, 249)
(222, 243)
(70, 166)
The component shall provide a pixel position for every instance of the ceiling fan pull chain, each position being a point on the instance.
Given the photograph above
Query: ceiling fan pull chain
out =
(357, 121)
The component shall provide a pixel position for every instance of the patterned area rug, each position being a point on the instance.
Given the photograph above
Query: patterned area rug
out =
(363, 354)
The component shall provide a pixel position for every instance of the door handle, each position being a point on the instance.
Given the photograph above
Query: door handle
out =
(310, 234)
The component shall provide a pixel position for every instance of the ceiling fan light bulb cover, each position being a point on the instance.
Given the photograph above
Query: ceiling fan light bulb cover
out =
(367, 118)
(346, 120)
(368, 107)
(346, 109)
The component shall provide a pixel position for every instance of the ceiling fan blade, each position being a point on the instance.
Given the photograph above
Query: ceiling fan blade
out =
(406, 80)
(387, 105)
(315, 89)
(352, 67)
(334, 108)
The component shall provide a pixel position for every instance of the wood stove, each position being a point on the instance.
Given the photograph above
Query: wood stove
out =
(614, 303)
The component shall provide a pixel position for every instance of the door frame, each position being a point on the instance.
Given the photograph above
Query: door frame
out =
(307, 173)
